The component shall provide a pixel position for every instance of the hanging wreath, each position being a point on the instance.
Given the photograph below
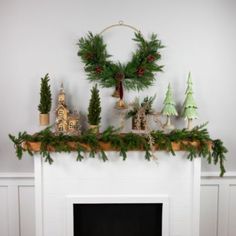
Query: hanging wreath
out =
(137, 74)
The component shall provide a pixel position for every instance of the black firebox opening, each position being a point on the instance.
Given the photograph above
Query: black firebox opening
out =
(118, 219)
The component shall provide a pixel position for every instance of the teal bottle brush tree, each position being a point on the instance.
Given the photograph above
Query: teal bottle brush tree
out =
(189, 106)
(169, 108)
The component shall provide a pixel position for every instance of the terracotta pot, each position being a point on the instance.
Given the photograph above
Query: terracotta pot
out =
(142, 125)
(44, 119)
(94, 129)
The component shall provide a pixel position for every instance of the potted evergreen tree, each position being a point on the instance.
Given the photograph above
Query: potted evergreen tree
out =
(169, 108)
(189, 106)
(94, 110)
(45, 104)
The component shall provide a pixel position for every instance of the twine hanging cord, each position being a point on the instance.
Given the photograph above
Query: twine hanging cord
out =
(121, 23)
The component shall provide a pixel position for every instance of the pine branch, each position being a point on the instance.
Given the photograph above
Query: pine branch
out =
(139, 72)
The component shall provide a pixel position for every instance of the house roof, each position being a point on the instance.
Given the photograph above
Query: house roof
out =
(73, 117)
(62, 106)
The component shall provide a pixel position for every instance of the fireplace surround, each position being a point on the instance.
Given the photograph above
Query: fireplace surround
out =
(118, 215)
(126, 219)
(173, 182)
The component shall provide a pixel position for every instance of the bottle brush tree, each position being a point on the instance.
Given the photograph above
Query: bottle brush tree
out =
(45, 104)
(94, 109)
(189, 106)
(169, 107)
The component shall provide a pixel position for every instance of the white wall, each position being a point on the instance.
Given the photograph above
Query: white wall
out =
(40, 36)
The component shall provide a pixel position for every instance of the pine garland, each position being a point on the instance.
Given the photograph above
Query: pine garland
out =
(124, 143)
(137, 74)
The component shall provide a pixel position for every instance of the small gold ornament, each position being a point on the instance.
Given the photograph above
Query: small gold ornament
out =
(120, 105)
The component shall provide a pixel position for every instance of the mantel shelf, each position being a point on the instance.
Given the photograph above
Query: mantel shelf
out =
(176, 146)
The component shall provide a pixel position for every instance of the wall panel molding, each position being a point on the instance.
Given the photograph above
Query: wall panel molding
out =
(226, 204)
(14, 184)
(218, 204)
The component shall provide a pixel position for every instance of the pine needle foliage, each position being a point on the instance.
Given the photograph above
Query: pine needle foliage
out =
(94, 109)
(139, 72)
(124, 143)
(45, 104)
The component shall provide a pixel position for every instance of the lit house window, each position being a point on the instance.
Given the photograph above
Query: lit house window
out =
(60, 113)
(71, 125)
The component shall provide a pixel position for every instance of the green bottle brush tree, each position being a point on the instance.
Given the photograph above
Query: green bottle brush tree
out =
(94, 110)
(45, 104)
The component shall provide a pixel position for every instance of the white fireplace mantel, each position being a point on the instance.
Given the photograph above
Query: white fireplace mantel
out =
(172, 180)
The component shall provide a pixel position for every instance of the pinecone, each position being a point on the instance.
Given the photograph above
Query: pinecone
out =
(98, 69)
(120, 76)
(140, 71)
(150, 58)
(88, 56)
